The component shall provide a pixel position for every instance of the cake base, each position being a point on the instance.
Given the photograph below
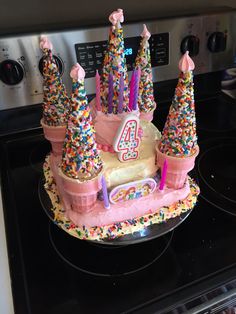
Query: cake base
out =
(115, 230)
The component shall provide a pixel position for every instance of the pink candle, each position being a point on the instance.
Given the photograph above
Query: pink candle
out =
(136, 89)
(131, 92)
(105, 194)
(121, 94)
(98, 95)
(110, 93)
(163, 175)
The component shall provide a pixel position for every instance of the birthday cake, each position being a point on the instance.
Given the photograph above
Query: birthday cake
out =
(110, 171)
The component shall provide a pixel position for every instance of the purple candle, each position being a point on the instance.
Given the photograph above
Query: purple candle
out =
(105, 194)
(131, 92)
(98, 95)
(121, 94)
(136, 89)
(110, 93)
(163, 175)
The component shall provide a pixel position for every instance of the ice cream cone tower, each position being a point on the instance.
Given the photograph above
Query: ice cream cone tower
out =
(146, 102)
(55, 100)
(81, 165)
(178, 144)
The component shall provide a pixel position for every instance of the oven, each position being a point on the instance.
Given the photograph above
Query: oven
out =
(190, 269)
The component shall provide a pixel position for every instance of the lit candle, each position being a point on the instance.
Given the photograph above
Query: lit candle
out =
(163, 175)
(110, 93)
(98, 95)
(105, 194)
(121, 94)
(131, 92)
(136, 89)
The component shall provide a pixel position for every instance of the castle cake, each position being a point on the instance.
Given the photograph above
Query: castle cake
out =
(110, 171)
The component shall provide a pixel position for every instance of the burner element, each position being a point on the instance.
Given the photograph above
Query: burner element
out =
(102, 260)
(216, 114)
(217, 172)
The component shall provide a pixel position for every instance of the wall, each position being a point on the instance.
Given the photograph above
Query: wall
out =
(42, 15)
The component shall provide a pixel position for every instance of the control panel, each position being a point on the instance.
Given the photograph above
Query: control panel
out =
(210, 40)
(90, 55)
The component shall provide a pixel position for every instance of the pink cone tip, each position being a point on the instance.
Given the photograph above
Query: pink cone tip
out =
(145, 34)
(77, 72)
(186, 64)
(116, 16)
(45, 43)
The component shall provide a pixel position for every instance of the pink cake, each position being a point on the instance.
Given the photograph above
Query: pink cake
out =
(113, 172)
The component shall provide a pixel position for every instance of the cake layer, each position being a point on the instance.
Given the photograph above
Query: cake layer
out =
(101, 216)
(117, 172)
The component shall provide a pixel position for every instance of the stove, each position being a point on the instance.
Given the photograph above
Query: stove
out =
(191, 269)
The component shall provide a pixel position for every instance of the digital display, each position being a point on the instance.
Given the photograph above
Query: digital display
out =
(128, 51)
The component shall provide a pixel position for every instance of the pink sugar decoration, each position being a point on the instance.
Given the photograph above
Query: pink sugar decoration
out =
(116, 17)
(186, 64)
(163, 175)
(77, 72)
(98, 92)
(145, 34)
(45, 43)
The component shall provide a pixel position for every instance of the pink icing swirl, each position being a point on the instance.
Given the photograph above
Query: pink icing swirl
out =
(186, 64)
(116, 16)
(145, 34)
(45, 43)
(77, 72)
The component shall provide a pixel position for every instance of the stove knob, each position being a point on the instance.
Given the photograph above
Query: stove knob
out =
(11, 72)
(190, 43)
(58, 61)
(217, 42)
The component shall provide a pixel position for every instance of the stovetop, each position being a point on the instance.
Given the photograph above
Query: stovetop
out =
(54, 273)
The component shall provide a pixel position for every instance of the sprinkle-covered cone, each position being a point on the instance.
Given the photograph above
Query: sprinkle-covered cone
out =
(55, 98)
(179, 137)
(178, 144)
(81, 164)
(56, 136)
(178, 168)
(115, 65)
(55, 101)
(146, 100)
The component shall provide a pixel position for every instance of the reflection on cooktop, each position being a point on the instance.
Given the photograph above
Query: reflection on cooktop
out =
(126, 260)
(216, 114)
(216, 168)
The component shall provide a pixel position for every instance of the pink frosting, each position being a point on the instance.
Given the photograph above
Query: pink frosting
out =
(45, 43)
(186, 64)
(100, 216)
(77, 72)
(145, 34)
(116, 16)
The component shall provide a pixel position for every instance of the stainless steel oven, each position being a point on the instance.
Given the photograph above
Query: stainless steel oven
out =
(192, 269)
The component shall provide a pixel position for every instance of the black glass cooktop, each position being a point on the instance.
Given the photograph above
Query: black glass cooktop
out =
(55, 273)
